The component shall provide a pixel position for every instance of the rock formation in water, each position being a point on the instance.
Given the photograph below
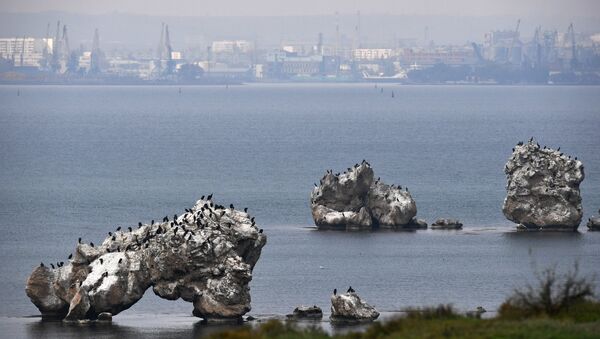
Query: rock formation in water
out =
(204, 256)
(593, 223)
(543, 188)
(446, 224)
(349, 307)
(306, 313)
(353, 200)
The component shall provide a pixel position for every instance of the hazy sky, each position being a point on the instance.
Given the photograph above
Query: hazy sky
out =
(553, 8)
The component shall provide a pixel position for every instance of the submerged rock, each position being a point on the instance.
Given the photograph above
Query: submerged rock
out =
(543, 188)
(593, 223)
(354, 201)
(447, 224)
(349, 307)
(205, 256)
(306, 312)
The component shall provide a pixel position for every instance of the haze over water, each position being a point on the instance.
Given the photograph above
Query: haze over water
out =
(80, 161)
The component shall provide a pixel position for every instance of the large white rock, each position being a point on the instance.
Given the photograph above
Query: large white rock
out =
(205, 256)
(543, 188)
(353, 200)
(350, 308)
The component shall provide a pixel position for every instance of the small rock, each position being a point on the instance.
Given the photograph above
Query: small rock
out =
(307, 312)
(447, 224)
(105, 316)
(593, 224)
(349, 307)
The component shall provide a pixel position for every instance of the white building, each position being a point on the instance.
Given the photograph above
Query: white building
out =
(25, 51)
(232, 46)
(372, 53)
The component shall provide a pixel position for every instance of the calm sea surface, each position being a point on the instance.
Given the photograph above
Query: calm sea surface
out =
(77, 161)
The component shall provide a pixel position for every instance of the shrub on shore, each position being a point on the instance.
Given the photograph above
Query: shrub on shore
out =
(553, 295)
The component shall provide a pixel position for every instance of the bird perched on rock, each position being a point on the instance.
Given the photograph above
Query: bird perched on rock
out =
(42, 264)
(70, 256)
(335, 291)
(92, 244)
(130, 229)
(79, 240)
(350, 290)
(139, 224)
(101, 261)
(52, 266)
(118, 228)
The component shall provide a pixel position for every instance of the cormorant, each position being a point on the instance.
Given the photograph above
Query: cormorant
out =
(152, 222)
(231, 206)
(139, 224)
(245, 209)
(118, 228)
(92, 244)
(558, 149)
(174, 216)
(175, 230)
(52, 266)
(334, 291)
(209, 197)
(252, 219)
(70, 256)
(350, 290)
(42, 264)
(260, 230)
(110, 234)
(79, 240)
(130, 229)
(101, 261)
(120, 260)
(202, 198)
(114, 238)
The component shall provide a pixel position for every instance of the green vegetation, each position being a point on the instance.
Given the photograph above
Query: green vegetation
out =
(558, 306)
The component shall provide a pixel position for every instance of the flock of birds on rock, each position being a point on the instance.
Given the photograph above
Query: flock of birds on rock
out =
(570, 161)
(209, 215)
(350, 170)
(350, 290)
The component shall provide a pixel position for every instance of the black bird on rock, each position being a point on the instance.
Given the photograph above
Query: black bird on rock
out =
(245, 209)
(120, 260)
(118, 228)
(79, 240)
(260, 230)
(139, 224)
(130, 229)
(42, 264)
(209, 197)
(231, 206)
(52, 266)
(335, 291)
(70, 256)
(350, 290)
(92, 244)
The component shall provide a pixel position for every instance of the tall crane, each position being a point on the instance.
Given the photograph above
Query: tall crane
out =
(571, 35)
(514, 40)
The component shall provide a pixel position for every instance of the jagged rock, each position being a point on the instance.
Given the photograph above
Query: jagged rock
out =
(206, 256)
(593, 223)
(306, 312)
(349, 307)
(354, 201)
(543, 188)
(446, 224)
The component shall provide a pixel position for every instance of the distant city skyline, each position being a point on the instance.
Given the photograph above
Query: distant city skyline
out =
(548, 8)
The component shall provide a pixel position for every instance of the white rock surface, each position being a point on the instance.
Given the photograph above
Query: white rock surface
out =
(543, 188)
(353, 200)
(349, 307)
(205, 257)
